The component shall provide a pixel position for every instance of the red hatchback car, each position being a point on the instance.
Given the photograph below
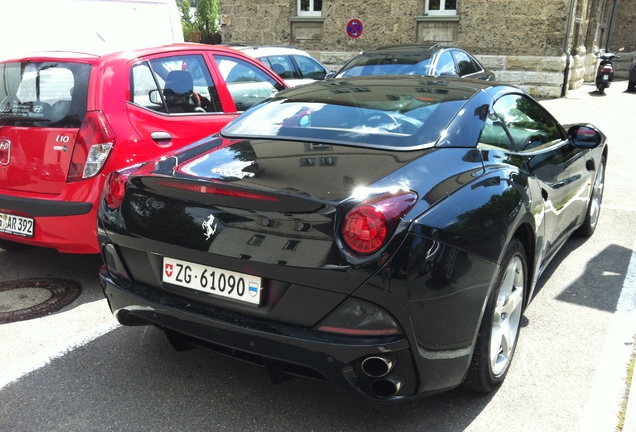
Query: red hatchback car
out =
(67, 119)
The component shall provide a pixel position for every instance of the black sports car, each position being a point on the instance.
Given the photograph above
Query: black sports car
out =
(382, 234)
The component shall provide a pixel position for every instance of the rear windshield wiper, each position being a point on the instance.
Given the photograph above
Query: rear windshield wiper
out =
(21, 119)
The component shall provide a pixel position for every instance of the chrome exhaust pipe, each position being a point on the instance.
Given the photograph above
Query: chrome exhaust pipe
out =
(377, 367)
(387, 387)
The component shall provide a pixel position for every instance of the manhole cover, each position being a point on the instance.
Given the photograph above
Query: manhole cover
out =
(31, 298)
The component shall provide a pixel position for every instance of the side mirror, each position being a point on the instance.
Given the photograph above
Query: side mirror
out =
(155, 97)
(330, 74)
(585, 136)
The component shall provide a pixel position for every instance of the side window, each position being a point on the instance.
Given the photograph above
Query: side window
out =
(465, 63)
(528, 124)
(309, 68)
(246, 83)
(175, 85)
(494, 133)
(282, 65)
(446, 65)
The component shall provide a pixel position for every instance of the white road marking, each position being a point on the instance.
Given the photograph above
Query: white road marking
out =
(18, 371)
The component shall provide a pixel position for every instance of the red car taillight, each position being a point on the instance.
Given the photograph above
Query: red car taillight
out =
(94, 142)
(115, 188)
(368, 225)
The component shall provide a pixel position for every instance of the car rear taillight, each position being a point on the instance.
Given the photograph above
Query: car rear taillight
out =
(115, 188)
(371, 223)
(92, 147)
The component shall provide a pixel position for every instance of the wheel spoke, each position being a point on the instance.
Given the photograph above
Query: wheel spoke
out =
(597, 194)
(513, 302)
(507, 316)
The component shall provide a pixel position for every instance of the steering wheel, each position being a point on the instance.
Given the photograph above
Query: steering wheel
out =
(535, 141)
(197, 102)
(383, 121)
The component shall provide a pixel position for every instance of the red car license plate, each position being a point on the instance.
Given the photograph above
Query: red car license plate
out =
(16, 225)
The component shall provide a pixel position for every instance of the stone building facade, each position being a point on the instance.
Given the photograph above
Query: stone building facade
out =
(624, 36)
(543, 46)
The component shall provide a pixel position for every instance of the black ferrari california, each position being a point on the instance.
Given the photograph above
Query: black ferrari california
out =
(384, 234)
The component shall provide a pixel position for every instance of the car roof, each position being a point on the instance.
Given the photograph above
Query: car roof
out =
(411, 47)
(338, 87)
(334, 110)
(262, 51)
(94, 53)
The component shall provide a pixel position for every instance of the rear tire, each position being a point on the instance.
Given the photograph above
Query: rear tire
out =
(499, 330)
(594, 205)
(601, 88)
(631, 86)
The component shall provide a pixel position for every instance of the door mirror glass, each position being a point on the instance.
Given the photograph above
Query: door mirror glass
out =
(584, 136)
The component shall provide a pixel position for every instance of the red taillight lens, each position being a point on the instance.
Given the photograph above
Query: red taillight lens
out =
(94, 142)
(115, 188)
(607, 69)
(367, 226)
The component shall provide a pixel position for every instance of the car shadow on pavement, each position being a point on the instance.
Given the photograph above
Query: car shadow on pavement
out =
(136, 381)
(600, 285)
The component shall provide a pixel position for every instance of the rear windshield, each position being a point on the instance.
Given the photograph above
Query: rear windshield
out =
(44, 94)
(388, 64)
(382, 116)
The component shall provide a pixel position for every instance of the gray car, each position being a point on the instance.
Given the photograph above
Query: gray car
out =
(631, 85)
(418, 59)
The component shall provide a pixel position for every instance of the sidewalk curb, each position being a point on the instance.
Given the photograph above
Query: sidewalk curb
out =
(629, 424)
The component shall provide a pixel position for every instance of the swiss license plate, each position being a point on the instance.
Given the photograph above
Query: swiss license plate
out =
(212, 280)
(16, 225)
(605, 77)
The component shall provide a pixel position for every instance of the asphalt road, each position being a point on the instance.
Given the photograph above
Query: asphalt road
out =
(76, 370)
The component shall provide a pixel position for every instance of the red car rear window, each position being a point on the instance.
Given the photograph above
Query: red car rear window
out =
(43, 94)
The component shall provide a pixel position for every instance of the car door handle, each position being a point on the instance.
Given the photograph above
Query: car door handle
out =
(161, 136)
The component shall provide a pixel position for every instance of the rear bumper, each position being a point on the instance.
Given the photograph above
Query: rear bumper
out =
(284, 350)
(46, 208)
(68, 226)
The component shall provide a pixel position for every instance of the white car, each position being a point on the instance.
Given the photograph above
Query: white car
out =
(295, 66)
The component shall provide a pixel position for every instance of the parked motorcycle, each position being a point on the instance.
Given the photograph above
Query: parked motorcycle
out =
(605, 73)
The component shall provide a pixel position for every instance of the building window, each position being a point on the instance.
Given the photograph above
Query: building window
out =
(441, 7)
(309, 7)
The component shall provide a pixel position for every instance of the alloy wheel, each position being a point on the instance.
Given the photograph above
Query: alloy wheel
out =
(507, 316)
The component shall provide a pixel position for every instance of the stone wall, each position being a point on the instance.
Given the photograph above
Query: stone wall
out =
(256, 22)
(625, 26)
(521, 41)
(480, 28)
(540, 76)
